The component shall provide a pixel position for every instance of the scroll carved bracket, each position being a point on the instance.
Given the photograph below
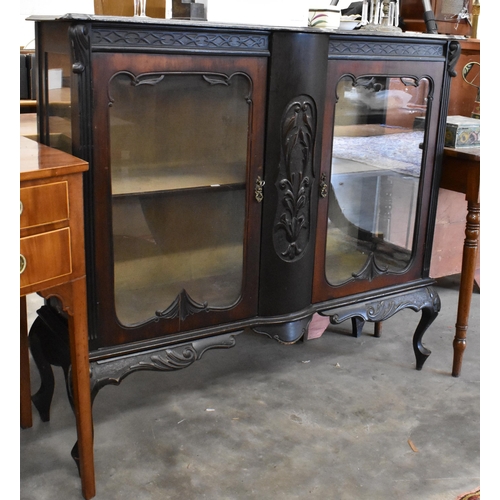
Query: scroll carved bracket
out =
(453, 55)
(80, 42)
(425, 300)
(174, 358)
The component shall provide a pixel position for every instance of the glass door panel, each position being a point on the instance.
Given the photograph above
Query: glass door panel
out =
(179, 145)
(377, 150)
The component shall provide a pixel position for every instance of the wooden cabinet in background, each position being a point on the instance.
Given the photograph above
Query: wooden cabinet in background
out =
(463, 95)
(412, 13)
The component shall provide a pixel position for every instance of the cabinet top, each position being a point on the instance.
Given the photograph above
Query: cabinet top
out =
(38, 161)
(183, 23)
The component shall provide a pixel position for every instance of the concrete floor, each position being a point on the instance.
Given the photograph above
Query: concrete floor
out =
(332, 418)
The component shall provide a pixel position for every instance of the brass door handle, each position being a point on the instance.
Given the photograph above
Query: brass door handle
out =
(323, 186)
(259, 189)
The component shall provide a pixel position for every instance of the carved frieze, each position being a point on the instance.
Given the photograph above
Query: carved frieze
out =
(387, 49)
(140, 38)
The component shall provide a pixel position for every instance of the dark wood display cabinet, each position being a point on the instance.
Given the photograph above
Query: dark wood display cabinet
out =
(242, 177)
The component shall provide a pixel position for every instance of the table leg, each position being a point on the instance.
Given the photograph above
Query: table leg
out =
(80, 374)
(466, 285)
(25, 386)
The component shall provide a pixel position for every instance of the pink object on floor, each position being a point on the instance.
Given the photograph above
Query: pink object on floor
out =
(317, 326)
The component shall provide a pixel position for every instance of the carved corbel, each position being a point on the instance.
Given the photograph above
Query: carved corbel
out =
(80, 42)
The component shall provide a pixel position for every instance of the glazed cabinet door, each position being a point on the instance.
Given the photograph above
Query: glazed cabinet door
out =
(177, 156)
(379, 147)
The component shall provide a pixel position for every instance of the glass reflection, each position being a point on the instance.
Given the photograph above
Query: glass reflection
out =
(178, 170)
(59, 101)
(376, 164)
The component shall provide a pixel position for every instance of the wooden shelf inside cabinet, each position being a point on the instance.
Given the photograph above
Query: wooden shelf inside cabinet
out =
(151, 179)
(53, 264)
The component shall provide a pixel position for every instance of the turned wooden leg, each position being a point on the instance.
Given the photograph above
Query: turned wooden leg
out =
(466, 285)
(377, 328)
(25, 386)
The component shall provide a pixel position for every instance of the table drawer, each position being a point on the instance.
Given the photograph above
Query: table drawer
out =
(45, 256)
(44, 204)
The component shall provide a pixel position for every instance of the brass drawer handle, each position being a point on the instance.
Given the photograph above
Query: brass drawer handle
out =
(23, 263)
(21, 208)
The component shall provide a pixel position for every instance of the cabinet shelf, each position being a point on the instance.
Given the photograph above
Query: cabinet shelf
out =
(153, 179)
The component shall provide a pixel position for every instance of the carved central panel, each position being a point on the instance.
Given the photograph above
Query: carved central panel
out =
(295, 179)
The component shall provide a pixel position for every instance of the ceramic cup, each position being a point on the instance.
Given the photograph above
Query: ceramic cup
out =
(325, 17)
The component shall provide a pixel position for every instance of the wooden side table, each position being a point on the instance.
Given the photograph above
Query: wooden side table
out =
(53, 264)
(460, 173)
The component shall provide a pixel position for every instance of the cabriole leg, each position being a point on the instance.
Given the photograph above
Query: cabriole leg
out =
(429, 314)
